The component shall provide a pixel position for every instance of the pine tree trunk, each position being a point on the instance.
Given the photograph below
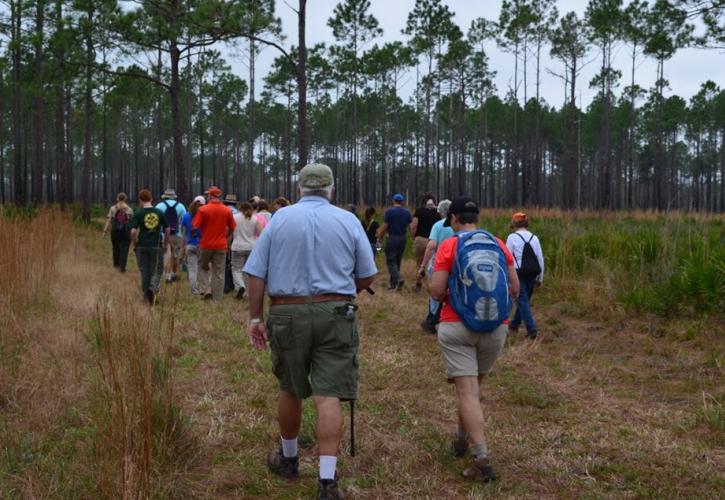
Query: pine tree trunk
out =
(301, 86)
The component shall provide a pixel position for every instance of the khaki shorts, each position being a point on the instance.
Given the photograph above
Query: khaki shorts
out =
(467, 353)
(314, 349)
(419, 244)
(173, 249)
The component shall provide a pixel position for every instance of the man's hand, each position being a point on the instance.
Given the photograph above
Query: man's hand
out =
(257, 333)
(421, 272)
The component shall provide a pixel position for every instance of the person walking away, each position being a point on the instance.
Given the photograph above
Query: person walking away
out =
(395, 224)
(245, 236)
(371, 229)
(313, 259)
(471, 337)
(216, 223)
(529, 259)
(263, 210)
(278, 203)
(149, 235)
(191, 238)
(118, 218)
(174, 211)
(438, 233)
(423, 219)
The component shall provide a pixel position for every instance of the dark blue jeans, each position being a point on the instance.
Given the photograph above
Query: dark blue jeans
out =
(523, 311)
(394, 249)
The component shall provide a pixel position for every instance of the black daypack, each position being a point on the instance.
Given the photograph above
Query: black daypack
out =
(172, 217)
(529, 265)
(120, 221)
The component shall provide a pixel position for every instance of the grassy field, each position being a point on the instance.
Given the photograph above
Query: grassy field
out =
(621, 396)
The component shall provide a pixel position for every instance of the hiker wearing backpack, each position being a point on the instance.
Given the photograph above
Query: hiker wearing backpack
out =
(119, 216)
(424, 219)
(475, 278)
(149, 236)
(313, 258)
(529, 260)
(191, 239)
(174, 212)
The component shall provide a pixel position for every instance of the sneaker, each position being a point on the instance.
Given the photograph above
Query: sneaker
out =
(459, 446)
(400, 285)
(149, 296)
(391, 287)
(532, 335)
(327, 489)
(287, 468)
(240, 293)
(480, 470)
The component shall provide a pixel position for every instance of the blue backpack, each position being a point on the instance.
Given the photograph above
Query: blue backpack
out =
(478, 284)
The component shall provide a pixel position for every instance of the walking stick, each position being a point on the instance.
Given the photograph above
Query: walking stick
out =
(352, 427)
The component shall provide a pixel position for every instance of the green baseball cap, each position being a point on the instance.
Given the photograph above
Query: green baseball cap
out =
(316, 176)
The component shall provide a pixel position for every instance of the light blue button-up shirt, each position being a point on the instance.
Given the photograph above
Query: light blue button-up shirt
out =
(312, 248)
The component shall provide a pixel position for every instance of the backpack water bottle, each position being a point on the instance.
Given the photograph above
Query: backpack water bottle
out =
(478, 284)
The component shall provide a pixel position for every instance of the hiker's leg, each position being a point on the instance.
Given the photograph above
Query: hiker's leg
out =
(528, 315)
(289, 415)
(329, 424)
(523, 312)
(204, 276)
(142, 262)
(116, 247)
(391, 261)
(175, 253)
(237, 266)
(400, 250)
(157, 268)
(469, 407)
(245, 257)
(123, 246)
(192, 266)
(219, 264)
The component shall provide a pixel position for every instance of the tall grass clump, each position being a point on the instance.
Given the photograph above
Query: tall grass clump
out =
(32, 244)
(140, 431)
(665, 264)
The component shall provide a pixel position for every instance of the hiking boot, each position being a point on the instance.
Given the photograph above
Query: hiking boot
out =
(513, 328)
(427, 327)
(327, 489)
(400, 285)
(391, 287)
(531, 335)
(459, 446)
(240, 293)
(287, 468)
(480, 470)
(149, 296)
(207, 296)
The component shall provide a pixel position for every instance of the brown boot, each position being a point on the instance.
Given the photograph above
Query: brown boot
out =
(327, 489)
(460, 446)
(480, 470)
(288, 468)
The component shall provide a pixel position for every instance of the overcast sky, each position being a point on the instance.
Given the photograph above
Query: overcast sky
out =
(685, 72)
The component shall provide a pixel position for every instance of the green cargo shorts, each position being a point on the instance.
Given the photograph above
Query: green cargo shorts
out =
(314, 349)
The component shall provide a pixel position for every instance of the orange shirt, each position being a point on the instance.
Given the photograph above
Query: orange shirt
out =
(214, 219)
(445, 256)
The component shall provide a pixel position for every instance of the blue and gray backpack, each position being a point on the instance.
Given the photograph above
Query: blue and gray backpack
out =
(478, 284)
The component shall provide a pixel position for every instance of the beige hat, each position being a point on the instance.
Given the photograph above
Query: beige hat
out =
(316, 176)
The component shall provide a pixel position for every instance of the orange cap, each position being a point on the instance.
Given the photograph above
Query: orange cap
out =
(518, 217)
(214, 191)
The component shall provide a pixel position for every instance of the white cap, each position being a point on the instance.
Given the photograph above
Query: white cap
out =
(201, 200)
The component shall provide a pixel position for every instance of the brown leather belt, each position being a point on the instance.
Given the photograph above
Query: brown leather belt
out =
(325, 297)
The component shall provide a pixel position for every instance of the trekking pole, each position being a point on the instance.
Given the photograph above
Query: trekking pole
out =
(352, 427)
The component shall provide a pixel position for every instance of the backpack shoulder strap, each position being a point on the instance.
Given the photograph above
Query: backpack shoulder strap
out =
(532, 237)
(522, 238)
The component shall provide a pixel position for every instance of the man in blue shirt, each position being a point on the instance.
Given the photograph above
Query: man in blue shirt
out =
(313, 258)
(396, 222)
(174, 211)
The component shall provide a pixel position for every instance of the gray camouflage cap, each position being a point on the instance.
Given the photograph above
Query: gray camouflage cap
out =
(316, 176)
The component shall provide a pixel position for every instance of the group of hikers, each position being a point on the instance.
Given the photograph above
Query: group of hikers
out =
(312, 259)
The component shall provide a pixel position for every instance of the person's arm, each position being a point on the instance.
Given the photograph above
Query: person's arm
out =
(383, 229)
(134, 238)
(256, 330)
(430, 249)
(413, 227)
(363, 284)
(514, 286)
(258, 229)
(439, 285)
(108, 222)
(536, 244)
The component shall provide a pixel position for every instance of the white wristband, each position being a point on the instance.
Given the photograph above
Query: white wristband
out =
(255, 321)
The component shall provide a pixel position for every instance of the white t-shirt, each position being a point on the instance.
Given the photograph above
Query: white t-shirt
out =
(245, 234)
(515, 244)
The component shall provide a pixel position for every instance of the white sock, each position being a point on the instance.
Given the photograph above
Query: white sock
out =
(289, 447)
(328, 464)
